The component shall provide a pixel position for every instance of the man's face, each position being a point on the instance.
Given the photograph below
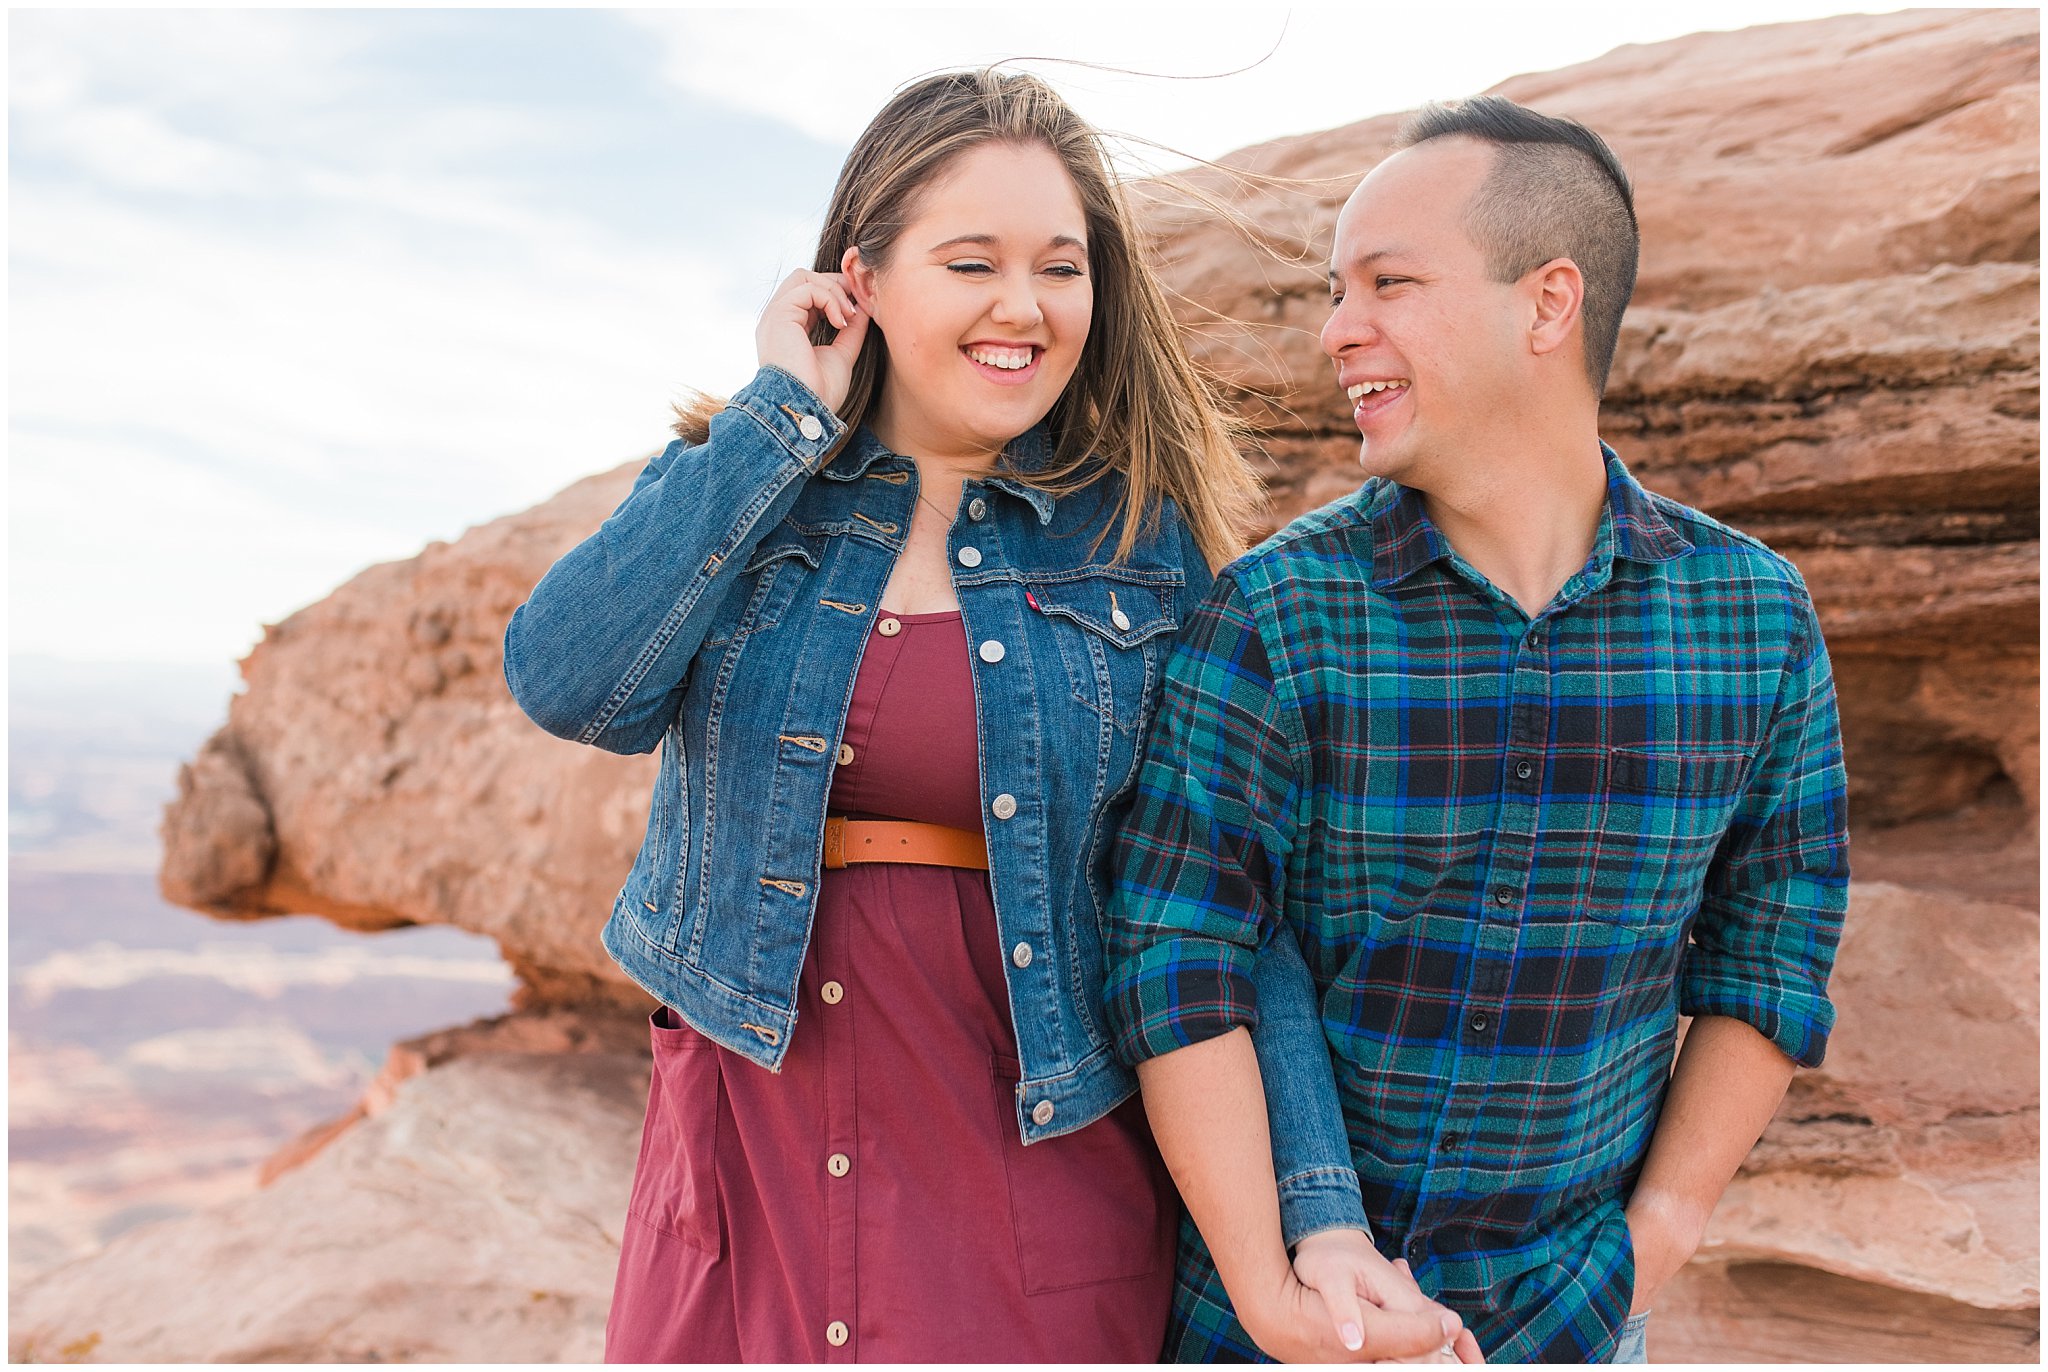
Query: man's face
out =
(1427, 344)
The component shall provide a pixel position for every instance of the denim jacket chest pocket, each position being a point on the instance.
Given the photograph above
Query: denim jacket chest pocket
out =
(1113, 636)
(768, 584)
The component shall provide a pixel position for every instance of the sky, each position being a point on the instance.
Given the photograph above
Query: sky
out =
(296, 291)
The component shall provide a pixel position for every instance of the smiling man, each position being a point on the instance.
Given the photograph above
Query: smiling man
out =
(1530, 761)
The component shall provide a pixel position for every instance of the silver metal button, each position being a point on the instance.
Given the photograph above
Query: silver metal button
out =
(992, 651)
(810, 428)
(832, 993)
(839, 1164)
(1041, 1113)
(1021, 955)
(977, 508)
(1004, 805)
(970, 557)
(889, 627)
(845, 753)
(1120, 619)
(835, 1334)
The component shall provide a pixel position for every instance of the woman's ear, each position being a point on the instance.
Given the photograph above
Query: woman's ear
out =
(860, 280)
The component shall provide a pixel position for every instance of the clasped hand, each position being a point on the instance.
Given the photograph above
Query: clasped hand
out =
(1342, 1301)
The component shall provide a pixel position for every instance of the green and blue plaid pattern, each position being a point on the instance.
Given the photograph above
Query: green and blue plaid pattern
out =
(1514, 851)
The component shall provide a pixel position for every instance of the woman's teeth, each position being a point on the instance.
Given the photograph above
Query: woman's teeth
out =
(1365, 388)
(1008, 359)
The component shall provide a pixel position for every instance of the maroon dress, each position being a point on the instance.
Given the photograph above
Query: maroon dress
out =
(872, 1201)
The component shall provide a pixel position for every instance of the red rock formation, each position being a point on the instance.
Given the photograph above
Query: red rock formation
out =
(1835, 345)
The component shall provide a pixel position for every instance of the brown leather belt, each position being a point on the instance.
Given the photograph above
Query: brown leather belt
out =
(897, 840)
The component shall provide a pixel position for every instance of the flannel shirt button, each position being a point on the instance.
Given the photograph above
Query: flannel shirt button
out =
(1041, 1113)
(1451, 1141)
(1525, 770)
(1418, 1248)
(1503, 895)
(810, 428)
(1479, 1023)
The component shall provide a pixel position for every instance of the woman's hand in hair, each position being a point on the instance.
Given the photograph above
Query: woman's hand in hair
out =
(783, 337)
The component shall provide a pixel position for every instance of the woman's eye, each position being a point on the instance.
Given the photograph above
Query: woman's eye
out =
(970, 268)
(1065, 269)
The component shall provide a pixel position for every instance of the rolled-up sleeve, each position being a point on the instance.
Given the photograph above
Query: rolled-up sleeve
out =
(1771, 915)
(1201, 860)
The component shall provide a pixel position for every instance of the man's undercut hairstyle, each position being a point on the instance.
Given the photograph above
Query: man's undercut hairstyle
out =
(1556, 190)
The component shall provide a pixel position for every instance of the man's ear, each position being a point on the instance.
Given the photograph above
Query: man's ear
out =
(1557, 292)
(860, 280)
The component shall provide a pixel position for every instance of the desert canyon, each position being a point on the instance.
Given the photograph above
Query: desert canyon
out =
(1834, 345)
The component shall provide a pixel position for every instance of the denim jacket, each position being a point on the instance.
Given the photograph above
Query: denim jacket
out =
(721, 612)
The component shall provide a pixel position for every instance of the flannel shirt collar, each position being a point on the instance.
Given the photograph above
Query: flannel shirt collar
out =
(1028, 452)
(1405, 539)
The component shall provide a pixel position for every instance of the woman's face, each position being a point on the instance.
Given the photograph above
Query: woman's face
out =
(985, 302)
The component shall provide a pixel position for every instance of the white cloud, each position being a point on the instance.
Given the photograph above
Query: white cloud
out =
(1332, 65)
(246, 363)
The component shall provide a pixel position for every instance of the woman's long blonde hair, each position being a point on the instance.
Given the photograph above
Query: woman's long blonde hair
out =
(1137, 400)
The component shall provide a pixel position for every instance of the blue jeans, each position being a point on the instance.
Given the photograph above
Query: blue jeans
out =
(1630, 1346)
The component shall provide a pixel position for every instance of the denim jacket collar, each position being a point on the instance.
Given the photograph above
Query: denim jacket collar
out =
(1029, 451)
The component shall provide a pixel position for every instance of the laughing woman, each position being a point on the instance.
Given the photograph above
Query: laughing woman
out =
(896, 616)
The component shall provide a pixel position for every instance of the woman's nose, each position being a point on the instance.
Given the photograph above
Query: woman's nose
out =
(1017, 303)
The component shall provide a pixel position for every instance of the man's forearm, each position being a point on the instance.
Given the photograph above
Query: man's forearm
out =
(1207, 1105)
(1727, 1084)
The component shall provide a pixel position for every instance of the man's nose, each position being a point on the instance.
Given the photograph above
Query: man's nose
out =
(1347, 327)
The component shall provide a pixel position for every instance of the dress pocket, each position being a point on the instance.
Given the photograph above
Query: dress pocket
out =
(675, 1185)
(1662, 815)
(1085, 1207)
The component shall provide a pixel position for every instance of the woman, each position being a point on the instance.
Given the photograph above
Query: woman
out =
(898, 613)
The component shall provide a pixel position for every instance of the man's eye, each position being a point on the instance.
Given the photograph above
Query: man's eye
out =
(1336, 299)
(1384, 281)
(969, 268)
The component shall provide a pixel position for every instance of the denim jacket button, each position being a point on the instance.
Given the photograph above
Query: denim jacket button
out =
(1021, 955)
(1004, 805)
(970, 557)
(1041, 1113)
(810, 428)
(977, 508)
(992, 651)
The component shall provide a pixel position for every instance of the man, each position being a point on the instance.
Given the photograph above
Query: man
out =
(1531, 762)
